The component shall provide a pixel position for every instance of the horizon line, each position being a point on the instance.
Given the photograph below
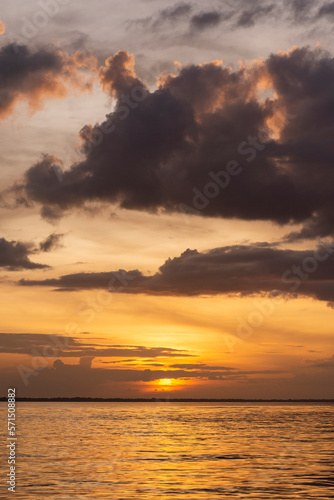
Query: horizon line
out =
(171, 400)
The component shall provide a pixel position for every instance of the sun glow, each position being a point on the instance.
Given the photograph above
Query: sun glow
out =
(165, 381)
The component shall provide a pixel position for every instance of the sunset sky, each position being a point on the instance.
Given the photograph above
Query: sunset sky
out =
(166, 200)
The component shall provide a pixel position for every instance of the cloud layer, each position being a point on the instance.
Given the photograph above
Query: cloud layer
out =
(240, 15)
(51, 345)
(44, 368)
(240, 269)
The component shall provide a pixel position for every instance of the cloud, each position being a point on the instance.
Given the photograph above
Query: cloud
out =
(164, 17)
(14, 255)
(86, 362)
(326, 10)
(64, 346)
(240, 269)
(51, 242)
(170, 149)
(35, 75)
(323, 363)
(254, 15)
(176, 11)
(83, 379)
(206, 20)
(2, 28)
(172, 14)
(241, 14)
(118, 76)
(301, 10)
(137, 375)
(200, 366)
(297, 12)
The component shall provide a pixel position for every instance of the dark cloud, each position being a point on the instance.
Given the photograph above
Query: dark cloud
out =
(146, 375)
(326, 10)
(324, 363)
(14, 255)
(241, 14)
(206, 20)
(200, 366)
(172, 14)
(170, 149)
(64, 346)
(34, 75)
(301, 10)
(297, 12)
(175, 12)
(86, 361)
(51, 242)
(240, 269)
(305, 147)
(254, 15)
(83, 379)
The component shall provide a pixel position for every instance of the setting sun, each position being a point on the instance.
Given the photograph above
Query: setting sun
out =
(165, 381)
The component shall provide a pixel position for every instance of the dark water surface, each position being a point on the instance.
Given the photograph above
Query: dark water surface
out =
(172, 451)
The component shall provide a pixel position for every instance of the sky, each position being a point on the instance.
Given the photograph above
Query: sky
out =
(166, 199)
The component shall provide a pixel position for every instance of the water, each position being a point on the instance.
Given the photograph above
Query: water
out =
(167, 451)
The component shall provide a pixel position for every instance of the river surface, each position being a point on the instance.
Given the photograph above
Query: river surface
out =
(127, 451)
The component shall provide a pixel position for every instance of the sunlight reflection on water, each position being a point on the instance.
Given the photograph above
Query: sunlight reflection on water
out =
(172, 451)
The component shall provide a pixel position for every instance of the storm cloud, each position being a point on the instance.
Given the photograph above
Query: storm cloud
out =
(206, 142)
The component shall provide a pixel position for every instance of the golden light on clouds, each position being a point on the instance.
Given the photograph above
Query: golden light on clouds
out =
(47, 80)
(2, 28)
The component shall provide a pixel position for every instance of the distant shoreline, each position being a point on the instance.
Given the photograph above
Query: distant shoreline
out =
(160, 400)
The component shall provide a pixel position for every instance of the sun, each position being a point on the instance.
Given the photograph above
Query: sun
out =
(165, 381)
(165, 384)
